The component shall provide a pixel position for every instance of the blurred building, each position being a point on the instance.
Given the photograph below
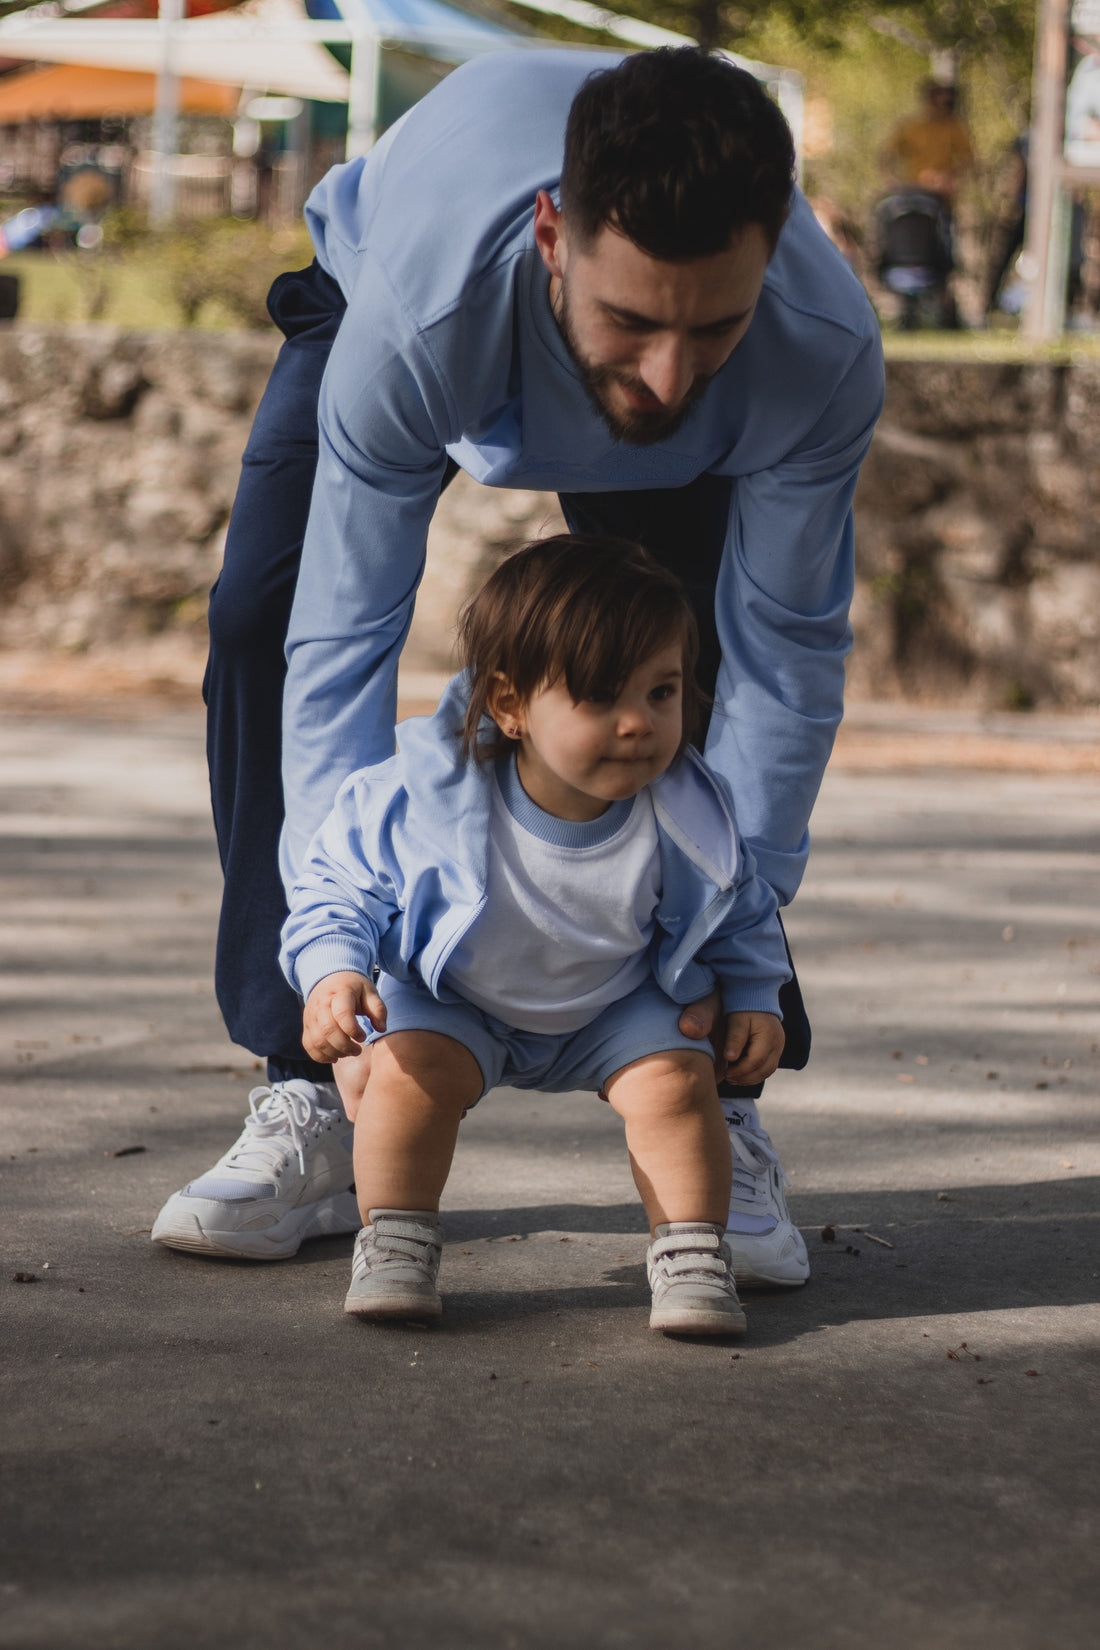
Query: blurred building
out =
(263, 93)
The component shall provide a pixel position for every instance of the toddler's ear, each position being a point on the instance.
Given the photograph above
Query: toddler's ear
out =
(504, 705)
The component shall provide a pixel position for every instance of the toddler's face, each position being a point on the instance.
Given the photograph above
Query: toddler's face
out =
(574, 759)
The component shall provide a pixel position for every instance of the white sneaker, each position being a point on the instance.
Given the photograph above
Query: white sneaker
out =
(288, 1178)
(395, 1266)
(691, 1276)
(766, 1245)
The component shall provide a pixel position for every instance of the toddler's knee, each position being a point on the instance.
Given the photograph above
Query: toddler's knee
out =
(672, 1082)
(414, 1064)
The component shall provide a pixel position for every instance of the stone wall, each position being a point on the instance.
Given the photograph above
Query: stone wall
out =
(979, 575)
(119, 457)
(978, 560)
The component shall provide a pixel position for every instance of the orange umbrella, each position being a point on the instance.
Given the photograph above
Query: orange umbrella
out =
(71, 91)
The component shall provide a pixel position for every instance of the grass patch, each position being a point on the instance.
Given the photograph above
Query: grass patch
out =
(995, 346)
(211, 274)
(65, 289)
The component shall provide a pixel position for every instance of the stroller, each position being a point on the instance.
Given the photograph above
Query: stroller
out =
(913, 231)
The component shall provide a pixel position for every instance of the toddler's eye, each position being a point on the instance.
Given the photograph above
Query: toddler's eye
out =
(665, 691)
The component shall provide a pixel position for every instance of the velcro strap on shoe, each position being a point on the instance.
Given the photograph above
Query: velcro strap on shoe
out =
(691, 1251)
(675, 1242)
(399, 1235)
(394, 1247)
(689, 1265)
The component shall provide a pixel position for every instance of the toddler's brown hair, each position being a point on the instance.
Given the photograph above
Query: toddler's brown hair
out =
(577, 608)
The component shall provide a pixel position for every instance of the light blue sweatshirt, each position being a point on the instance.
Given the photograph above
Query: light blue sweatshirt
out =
(398, 873)
(449, 346)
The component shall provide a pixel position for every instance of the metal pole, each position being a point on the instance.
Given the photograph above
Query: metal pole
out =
(1044, 317)
(162, 202)
(366, 70)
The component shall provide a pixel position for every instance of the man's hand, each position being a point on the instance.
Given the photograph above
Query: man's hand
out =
(704, 1019)
(330, 1028)
(747, 1045)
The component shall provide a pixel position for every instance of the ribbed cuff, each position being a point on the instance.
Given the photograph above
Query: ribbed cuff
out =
(334, 954)
(759, 999)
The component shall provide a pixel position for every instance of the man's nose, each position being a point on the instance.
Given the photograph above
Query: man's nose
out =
(668, 369)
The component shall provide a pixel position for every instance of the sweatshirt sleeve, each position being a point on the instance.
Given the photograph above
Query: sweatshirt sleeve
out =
(781, 608)
(383, 416)
(748, 953)
(341, 905)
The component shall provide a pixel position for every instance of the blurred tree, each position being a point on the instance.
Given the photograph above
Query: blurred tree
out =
(969, 28)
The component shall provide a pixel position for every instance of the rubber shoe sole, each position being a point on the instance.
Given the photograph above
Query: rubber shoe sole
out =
(178, 1227)
(772, 1260)
(399, 1305)
(681, 1320)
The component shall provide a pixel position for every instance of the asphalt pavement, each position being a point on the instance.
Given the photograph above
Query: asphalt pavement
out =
(902, 1455)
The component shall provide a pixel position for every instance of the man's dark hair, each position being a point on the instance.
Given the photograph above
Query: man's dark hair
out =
(576, 608)
(679, 151)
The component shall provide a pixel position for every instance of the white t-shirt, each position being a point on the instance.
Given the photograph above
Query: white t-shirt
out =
(569, 914)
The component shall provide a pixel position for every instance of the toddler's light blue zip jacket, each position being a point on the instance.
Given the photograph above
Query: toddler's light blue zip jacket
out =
(397, 874)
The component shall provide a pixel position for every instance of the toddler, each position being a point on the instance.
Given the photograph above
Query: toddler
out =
(542, 877)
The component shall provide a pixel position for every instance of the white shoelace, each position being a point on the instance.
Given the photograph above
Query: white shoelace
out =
(754, 1157)
(286, 1109)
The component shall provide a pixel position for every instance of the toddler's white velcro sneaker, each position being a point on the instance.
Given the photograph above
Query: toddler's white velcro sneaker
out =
(287, 1178)
(395, 1265)
(691, 1277)
(766, 1245)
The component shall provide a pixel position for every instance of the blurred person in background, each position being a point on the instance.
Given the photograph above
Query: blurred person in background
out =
(931, 150)
(927, 156)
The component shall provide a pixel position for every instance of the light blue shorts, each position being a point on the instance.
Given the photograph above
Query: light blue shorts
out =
(645, 1022)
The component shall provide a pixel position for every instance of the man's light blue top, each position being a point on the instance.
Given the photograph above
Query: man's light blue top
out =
(449, 346)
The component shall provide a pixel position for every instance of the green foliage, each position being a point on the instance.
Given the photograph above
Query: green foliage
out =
(225, 263)
(210, 272)
(1002, 29)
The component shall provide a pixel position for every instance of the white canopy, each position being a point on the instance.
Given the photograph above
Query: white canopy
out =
(269, 44)
(274, 46)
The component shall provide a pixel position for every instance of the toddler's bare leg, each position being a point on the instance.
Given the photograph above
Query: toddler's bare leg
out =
(350, 1076)
(420, 1084)
(676, 1136)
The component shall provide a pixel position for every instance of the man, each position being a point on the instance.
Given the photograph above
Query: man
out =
(673, 346)
(931, 150)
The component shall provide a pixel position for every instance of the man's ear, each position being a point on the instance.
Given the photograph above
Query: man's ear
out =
(505, 706)
(550, 235)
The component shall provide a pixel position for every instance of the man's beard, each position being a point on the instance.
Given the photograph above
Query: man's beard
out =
(637, 428)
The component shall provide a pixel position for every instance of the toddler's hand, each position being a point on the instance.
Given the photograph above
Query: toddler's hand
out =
(330, 1028)
(754, 1042)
